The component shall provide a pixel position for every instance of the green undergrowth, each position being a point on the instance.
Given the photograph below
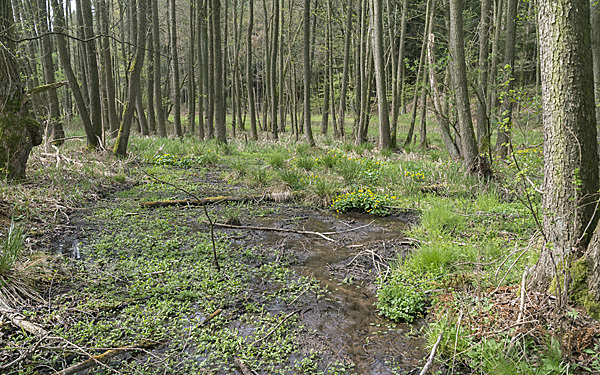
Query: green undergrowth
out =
(148, 274)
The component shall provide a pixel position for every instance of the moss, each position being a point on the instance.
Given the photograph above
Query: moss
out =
(580, 292)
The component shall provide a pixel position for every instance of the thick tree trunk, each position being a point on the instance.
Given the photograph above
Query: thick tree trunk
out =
(595, 29)
(92, 68)
(200, 22)
(570, 146)
(273, 81)
(19, 131)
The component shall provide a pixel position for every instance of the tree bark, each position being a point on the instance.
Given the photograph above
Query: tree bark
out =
(175, 67)
(92, 68)
(19, 131)
(218, 72)
(570, 146)
(482, 76)
(120, 148)
(459, 83)
(307, 71)
(380, 79)
(250, 72)
(158, 100)
(346, 69)
(505, 123)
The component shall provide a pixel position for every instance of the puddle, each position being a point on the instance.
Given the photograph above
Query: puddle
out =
(345, 326)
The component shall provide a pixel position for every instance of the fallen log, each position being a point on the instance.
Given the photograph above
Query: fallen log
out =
(274, 197)
(104, 357)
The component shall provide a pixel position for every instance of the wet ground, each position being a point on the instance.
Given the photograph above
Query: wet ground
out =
(345, 326)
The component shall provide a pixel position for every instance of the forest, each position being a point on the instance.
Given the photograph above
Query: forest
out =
(299, 187)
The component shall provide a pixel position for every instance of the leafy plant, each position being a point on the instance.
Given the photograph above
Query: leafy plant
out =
(402, 298)
(11, 248)
(363, 200)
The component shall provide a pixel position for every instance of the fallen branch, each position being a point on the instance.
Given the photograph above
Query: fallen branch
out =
(102, 358)
(431, 356)
(275, 197)
(272, 230)
(19, 321)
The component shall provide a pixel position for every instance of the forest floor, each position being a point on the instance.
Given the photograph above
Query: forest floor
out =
(307, 279)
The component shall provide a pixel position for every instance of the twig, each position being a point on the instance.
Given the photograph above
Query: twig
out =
(210, 317)
(272, 229)
(275, 328)
(19, 321)
(101, 358)
(431, 355)
(300, 295)
(523, 290)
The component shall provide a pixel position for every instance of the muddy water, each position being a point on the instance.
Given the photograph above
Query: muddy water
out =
(345, 325)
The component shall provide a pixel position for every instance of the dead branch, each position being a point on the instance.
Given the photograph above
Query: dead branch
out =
(274, 197)
(272, 230)
(431, 356)
(104, 357)
(19, 320)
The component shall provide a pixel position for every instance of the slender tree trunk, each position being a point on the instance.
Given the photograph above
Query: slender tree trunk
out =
(483, 134)
(307, 71)
(509, 61)
(200, 22)
(218, 72)
(92, 134)
(92, 68)
(158, 100)
(191, 75)
(250, 72)
(379, 64)
(459, 83)
(595, 39)
(273, 81)
(175, 67)
(47, 45)
(122, 140)
(491, 100)
(399, 83)
(346, 69)
(150, 77)
(420, 74)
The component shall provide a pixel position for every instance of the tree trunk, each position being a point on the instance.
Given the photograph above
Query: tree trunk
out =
(218, 72)
(595, 29)
(459, 83)
(505, 123)
(250, 72)
(120, 147)
(399, 83)
(92, 136)
(92, 68)
(483, 133)
(379, 65)
(570, 146)
(273, 64)
(346, 71)
(175, 67)
(158, 100)
(307, 71)
(19, 131)
(191, 75)
(200, 22)
(109, 80)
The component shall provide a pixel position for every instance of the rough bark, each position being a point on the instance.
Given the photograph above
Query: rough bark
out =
(570, 145)
(92, 68)
(595, 34)
(218, 72)
(19, 131)
(346, 69)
